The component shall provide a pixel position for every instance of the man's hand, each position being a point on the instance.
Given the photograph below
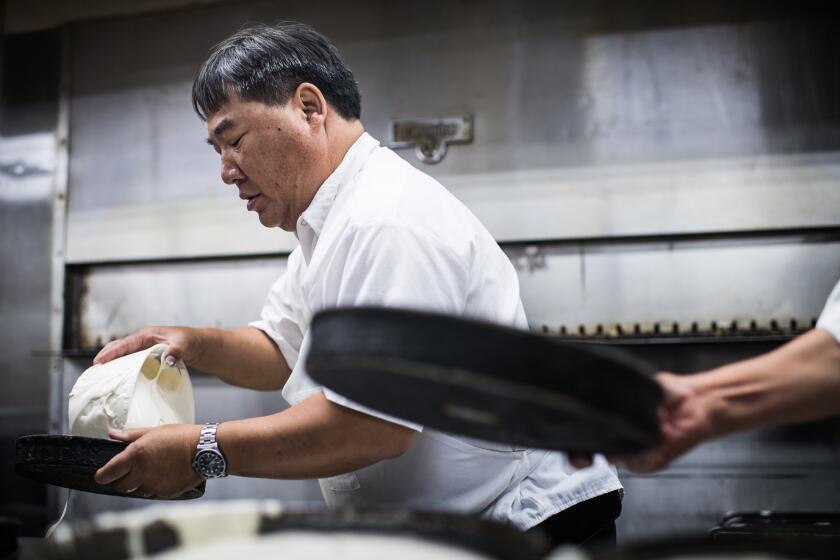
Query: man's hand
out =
(683, 423)
(244, 357)
(157, 462)
(184, 344)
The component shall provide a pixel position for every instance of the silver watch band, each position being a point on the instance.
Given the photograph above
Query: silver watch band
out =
(207, 437)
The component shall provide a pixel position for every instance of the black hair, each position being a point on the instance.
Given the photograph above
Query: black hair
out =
(266, 64)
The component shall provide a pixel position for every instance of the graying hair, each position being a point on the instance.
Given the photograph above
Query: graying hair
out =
(266, 64)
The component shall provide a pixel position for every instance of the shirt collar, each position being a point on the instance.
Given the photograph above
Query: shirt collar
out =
(311, 221)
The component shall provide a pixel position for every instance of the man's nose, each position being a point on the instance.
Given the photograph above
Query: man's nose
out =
(231, 172)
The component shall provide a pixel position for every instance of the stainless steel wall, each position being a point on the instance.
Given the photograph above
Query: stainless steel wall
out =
(28, 121)
(590, 121)
(678, 285)
(641, 165)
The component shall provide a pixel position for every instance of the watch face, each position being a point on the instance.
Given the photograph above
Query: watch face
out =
(210, 464)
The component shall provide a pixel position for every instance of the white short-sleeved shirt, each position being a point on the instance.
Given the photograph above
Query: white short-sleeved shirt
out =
(830, 317)
(380, 232)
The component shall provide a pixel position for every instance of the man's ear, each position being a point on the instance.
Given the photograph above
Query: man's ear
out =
(312, 103)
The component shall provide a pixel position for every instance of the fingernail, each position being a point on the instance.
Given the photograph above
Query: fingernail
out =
(170, 361)
(113, 432)
(100, 479)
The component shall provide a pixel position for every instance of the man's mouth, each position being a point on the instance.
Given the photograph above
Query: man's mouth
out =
(252, 201)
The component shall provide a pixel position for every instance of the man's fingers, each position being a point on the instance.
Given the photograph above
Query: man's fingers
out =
(114, 469)
(642, 463)
(123, 346)
(107, 353)
(130, 484)
(128, 435)
(580, 461)
(117, 348)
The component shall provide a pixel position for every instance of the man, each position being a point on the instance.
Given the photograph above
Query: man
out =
(797, 382)
(283, 112)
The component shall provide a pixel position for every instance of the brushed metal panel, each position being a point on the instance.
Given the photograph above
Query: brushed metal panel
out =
(23, 16)
(28, 161)
(589, 121)
(678, 197)
(143, 182)
(25, 245)
(682, 281)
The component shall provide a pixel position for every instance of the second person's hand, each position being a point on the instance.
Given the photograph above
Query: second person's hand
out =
(684, 421)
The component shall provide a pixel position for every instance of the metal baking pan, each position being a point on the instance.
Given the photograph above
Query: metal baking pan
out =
(71, 462)
(487, 381)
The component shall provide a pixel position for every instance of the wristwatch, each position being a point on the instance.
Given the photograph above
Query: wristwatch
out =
(209, 461)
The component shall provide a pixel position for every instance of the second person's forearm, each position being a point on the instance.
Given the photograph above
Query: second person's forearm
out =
(797, 382)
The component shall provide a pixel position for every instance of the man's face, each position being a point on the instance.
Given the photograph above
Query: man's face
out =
(272, 154)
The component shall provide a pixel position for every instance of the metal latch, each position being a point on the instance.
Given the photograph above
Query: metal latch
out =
(430, 138)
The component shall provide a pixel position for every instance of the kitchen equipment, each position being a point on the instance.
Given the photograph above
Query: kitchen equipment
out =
(806, 528)
(694, 548)
(71, 462)
(261, 529)
(487, 381)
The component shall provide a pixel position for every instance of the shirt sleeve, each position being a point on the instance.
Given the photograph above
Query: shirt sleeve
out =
(281, 314)
(394, 266)
(830, 317)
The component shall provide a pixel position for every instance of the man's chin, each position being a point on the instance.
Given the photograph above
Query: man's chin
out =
(267, 221)
(270, 222)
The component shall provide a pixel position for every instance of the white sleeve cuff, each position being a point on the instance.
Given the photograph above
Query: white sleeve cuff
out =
(830, 317)
(290, 353)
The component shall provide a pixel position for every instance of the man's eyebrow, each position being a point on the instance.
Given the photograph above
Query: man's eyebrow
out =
(224, 125)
